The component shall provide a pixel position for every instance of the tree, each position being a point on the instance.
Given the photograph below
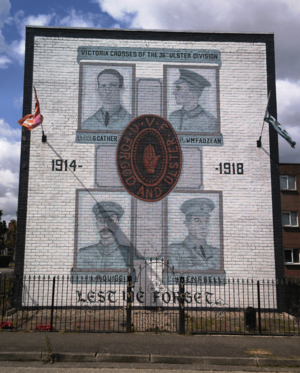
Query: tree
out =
(10, 242)
(3, 230)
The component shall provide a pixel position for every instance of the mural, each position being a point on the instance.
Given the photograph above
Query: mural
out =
(111, 94)
(108, 252)
(195, 232)
(191, 98)
(106, 101)
(103, 231)
(170, 107)
(149, 158)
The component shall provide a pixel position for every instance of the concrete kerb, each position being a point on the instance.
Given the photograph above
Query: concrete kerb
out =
(70, 357)
(152, 358)
(103, 358)
(278, 362)
(20, 356)
(123, 358)
(237, 361)
(169, 359)
(243, 361)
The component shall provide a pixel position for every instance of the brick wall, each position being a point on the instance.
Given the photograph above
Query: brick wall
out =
(56, 207)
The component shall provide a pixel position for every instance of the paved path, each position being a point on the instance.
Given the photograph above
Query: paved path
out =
(60, 369)
(150, 343)
(147, 351)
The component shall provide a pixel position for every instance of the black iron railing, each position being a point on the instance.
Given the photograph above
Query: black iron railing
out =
(126, 304)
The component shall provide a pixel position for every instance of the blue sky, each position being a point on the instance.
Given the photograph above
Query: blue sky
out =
(278, 16)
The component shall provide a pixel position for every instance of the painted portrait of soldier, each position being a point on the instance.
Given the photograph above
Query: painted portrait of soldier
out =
(113, 249)
(106, 98)
(191, 100)
(196, 251)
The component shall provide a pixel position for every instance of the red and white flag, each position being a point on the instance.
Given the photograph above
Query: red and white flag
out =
(31, 121)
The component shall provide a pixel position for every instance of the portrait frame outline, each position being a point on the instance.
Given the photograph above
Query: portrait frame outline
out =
(166, 88)
(131, 230)
(221, 234)
(80, 94)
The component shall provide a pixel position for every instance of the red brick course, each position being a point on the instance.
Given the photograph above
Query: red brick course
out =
(290, 201)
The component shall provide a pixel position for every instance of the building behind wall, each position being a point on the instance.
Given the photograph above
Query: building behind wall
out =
(290, 206)
(71, 185)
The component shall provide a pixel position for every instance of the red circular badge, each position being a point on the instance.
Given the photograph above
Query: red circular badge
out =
(149, 158)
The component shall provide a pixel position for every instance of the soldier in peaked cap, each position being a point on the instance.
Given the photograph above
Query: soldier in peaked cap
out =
(107, 209)
(191, 117)
(113, 249)
(194, 253)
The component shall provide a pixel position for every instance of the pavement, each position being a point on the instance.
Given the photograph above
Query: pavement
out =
(151, 350)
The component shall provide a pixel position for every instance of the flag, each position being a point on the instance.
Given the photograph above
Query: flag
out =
(278, 128)
(31, 121)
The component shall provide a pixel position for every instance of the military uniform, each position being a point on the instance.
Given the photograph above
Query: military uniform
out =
(112, 256)
(190, 255)
(196, 120)
(193, 253)
(104, 257)
(118, 119)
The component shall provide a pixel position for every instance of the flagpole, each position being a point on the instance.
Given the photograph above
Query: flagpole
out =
(44, 137)
(266, 111)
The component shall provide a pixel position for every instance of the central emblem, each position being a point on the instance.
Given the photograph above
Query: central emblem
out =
(149, 158)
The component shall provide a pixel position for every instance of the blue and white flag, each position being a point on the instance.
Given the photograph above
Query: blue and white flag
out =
(278, 128)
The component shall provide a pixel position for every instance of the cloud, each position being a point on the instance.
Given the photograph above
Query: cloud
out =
(4, 11)
(8, 132)
(9, 147)
(18, 102)
(9, 169)
(9, 204)
(4, 62)
(17, 47)
(78, 19)
(279, 16)
(288, 99)
(14, 52)
(40, 20)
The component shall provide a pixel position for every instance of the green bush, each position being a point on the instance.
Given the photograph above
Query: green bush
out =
(5, 260)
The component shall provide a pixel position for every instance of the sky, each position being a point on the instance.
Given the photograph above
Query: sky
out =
(278, 16)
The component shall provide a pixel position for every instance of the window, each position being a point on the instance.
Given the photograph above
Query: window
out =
(291, 256)
(289, 219)
(287, 182)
